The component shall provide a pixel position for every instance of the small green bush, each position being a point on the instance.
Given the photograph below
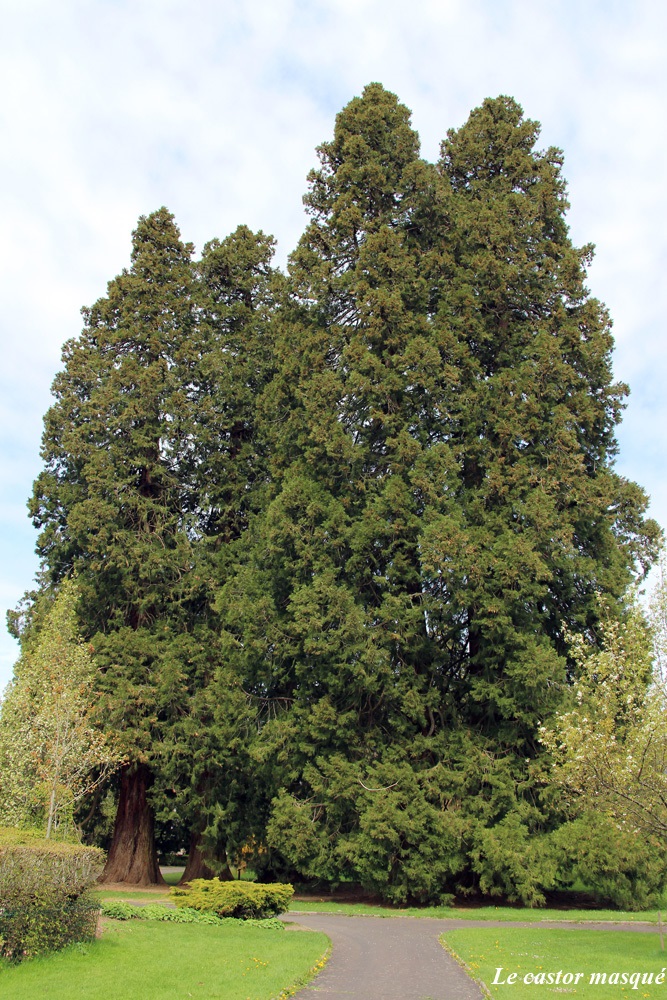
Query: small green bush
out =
(183, 915)
(234, 899)
(43, 902)
(27, 931)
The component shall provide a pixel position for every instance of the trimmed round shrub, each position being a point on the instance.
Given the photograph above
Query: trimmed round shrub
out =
(33, 870)
(234, 899)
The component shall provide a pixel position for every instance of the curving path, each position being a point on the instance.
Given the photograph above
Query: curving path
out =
(394, 958)
(400, 958)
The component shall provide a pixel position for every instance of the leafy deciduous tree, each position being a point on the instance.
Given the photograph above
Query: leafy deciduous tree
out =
(53, 750)
(610, 749)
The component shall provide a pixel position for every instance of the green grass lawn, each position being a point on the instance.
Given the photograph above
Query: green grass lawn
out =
(504, 913)
(521, 951)
(156, 896)
(138, 960)
(172, 878)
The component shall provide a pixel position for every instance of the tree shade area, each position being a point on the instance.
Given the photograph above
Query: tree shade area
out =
(342, 537)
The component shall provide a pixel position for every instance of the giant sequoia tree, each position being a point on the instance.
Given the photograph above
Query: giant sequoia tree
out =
(329, 526)
(143, 446)
(444, 499)
(202, 758)
(541, 521)
(113, 509)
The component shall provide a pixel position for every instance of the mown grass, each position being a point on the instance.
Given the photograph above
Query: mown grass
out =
(172, 878)
(156, 961)
(541, 950)
(506, 914)
(155, 896)
(503, 913)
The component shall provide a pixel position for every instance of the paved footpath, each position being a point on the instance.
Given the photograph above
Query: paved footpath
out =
(400, 958)
(393, 958)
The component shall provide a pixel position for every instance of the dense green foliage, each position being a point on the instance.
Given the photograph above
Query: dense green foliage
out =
(617, 867)
(329, 527)
(621, 868)
(444, 503)
(43, 900)
(119, 910)
(234, 899)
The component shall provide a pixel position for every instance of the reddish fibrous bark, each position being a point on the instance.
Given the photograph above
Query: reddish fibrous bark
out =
(196, 865)
(132, 857)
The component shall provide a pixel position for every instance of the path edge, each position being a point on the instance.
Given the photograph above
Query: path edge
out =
(312, 973)
(446, 946)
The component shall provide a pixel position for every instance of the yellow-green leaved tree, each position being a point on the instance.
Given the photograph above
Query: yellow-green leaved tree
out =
(610, 749)
(52, 748)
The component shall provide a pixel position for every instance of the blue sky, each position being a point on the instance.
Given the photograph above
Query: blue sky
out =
(112, 108)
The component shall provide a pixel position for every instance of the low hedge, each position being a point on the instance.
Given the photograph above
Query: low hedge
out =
(234, 899)
(43, 901)
(27, 931)
(119, 910)
(33, 870)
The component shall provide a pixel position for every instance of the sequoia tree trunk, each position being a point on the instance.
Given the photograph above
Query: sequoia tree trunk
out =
(196, 865)
(132, 856)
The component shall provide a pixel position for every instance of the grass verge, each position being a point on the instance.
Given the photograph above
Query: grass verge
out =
(157, 961)
(503, 913)
(538, 952)
(154, 896)
(506, 914)
(172, 878)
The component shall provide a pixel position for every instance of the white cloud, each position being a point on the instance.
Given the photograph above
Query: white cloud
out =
(115, 107)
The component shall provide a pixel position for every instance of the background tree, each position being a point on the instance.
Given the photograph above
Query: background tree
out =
(541, 522)
(326, 611)
(53, 750)
(111, 506)
(203, 765)
(444, 500)
(151, 470)
(610, 749)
